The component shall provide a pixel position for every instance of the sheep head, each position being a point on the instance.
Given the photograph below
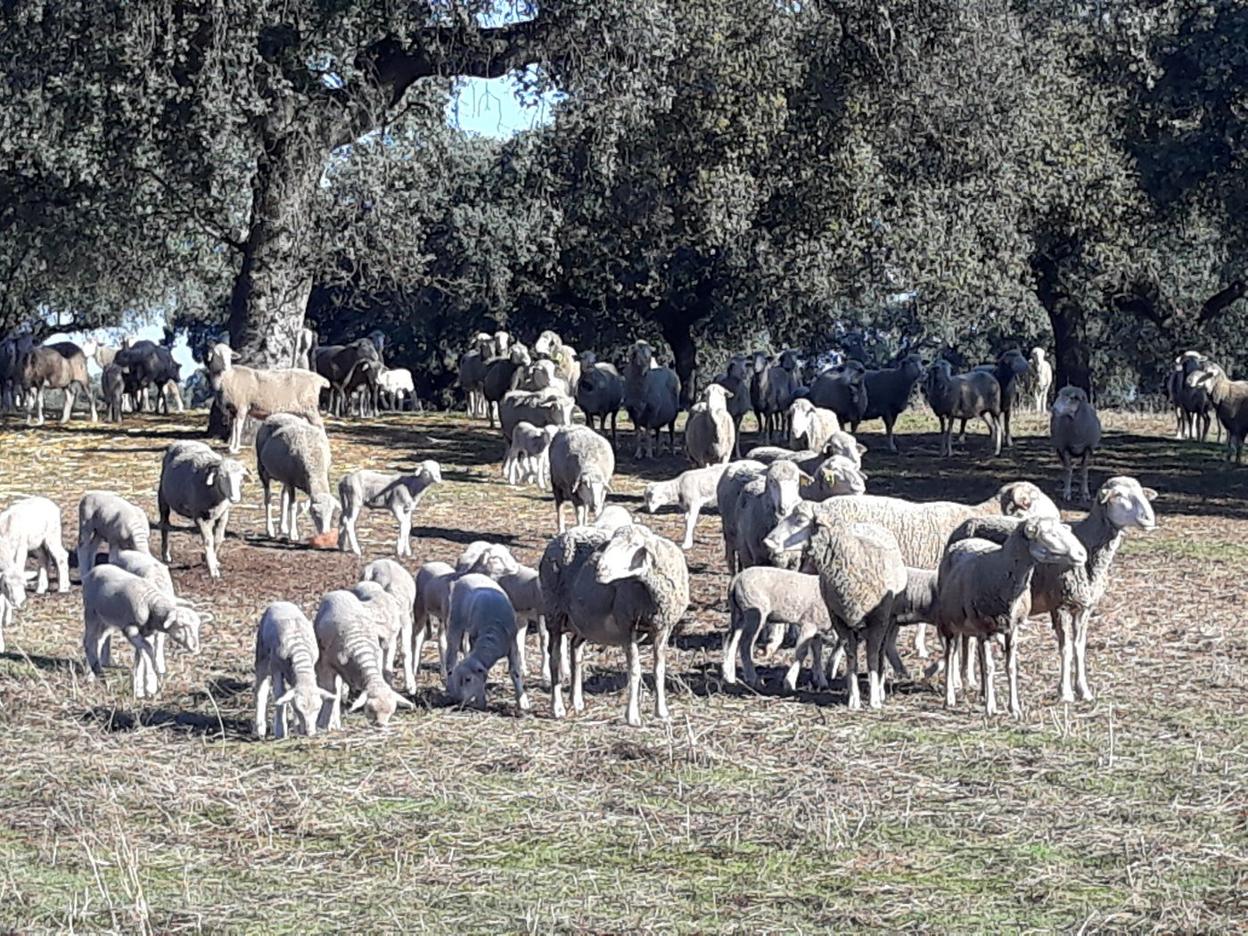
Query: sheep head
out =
(466, 684)
(789, 360)
(227, 477)
(843, 444)
(12, 584)
(1037, 356)
(547, 344)
(793, 531)
(183, 624)
(651, 499)
(1069, 401)
(627, 554)
(1204, 375)
(495, 560)
(380, 704)
(838, 476)
(939, 373)
(1052, 542)
(322, 508)
(801, 413)
(641, 356)
(1024, 499)
(305, 699)
(1014, 362)
(783, 483)
(911, 366)
(501, 342)
(739, 367)
(716, 396)
(431, 471)
(1127, 503)
(613, 517)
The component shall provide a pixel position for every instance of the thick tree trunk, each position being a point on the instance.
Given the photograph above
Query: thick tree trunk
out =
(680, 337)
(1072, 360)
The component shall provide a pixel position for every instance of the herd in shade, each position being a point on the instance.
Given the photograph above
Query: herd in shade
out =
(811, 553)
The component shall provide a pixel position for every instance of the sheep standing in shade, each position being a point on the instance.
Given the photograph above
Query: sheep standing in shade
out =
(1075, 431)
(1230, 402)
(652, 399)
(843, 390)
(500, 378)
(379, 490)
(472, 373)
(1039, 379)
(736, 380)
(771, 391)
(984, 589)
(198, 483)
(286, 655)
(581, 466)
(690, 491)
(888, 394)
(709, 434)
(965, 396)
(810, 426)
(481, 612)
(600, 393)
(540, 408)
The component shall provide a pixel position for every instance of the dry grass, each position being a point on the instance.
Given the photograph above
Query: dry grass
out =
(747, 813)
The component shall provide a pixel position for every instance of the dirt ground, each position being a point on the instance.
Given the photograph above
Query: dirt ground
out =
(758, 812)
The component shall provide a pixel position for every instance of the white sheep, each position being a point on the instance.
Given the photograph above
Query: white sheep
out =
(393, 383)
(581, 466)
(104, 517)
(690, 491)
(296, 455)
(481, 612)
(710, 436)
(387, 617)
(12, 596)
(114, 600)
(528, 455)
(398, 582)
(350, 655)
(761, 596)
(251, 392)
(198, 483)
(31, 526)
(377, 490)
(286, 655)
(810, 426)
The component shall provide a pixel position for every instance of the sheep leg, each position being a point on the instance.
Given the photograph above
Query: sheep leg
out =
(968, 663)
(38, 407)
(218, 529)
(268, 507)
(419, 633)
(834, 662)
(326, 680)
(851, 669)
(818, 674)
(1011, 667)
(632, 714)
(946, 440)
(1081, 654)
(1064, 633)
(1087, 461)
(950, 647)
(894, 658)
(559, 514)
(91, 640)
(994, 431)
(727, 663)
(210, 552)
(920, 640)
(691, 520)
(988, 668)
(876, 635)
(804, 641)
(574, 649)
(543, 649)
(450, 651)
(159, 640)
(260, 689)
(143, 682)
(442, 644)
(280, 712)
(515, 660)
(775, 637)
(67, 409)
(660, 676)
(555, 626)
(753, 621)
(1068, 465)
(889, 441)
(335, 718)
(405, 533)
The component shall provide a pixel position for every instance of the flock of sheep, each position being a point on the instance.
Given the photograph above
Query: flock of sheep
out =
(807, 546)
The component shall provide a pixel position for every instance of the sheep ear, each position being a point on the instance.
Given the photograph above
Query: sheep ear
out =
(286, 696)
(211, 478)
(862, 449)
(360, 701)
(807, 479)
(1149, 493)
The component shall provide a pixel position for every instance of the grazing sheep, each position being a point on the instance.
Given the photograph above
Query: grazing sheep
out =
(581, 465)
(104, 517)
(59, 366)
(984, 589)
(728, 489)
(387, 617)
(1075, 431)
(1230, 400)
(472, 373)
(197, 483)
(772, 388)
(350, 654)
(248, 392)
(1039, 379)
(736, 380)
(762, 503)
(690, 491)
(538, 408)
(610, 589)
(113, 389)
(286, 655)
(599, 393)
(481, 611)
(709, 434)
(888, 394)
(433, 595)
(154, 572)
(296, 455)
(843, 390)
(528, 455)
(379, 490)
(31, 526)
(652, 399)
(398, 582)
(964, 396)
(810, 426)
(500, 379)
(1070, 595)
(393, 383)
(524, 590)
(492, 559)
(12, 596)
(114, 600)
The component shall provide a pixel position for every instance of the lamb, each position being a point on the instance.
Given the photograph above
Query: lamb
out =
(378, 490)
(690, 491)
(888, 394)
(1075, 431)
(541, 408)
(155, 573)
(104, 517)
(472, 373)
(393, 383)
(709, 434)
(12, 596)
(31, 526)
(250, 392)
(736, 380)
(524, 591)
(398, 582)
(771, 390)
(60, 366)
(1230, 401)
(652, 399)
(500, 379)
(296, 455)
(581, 465)
(1039, 379)
(304, 344)
(481, 611)
(810, 426)
(836, 476)
(350, 654)
(286, 655)
(599, 393)
(985, 589)
(965, 396)
(387, 617)
(115, 600)
(112, 388)
(731, 483)
(198, 483)
(761, 596)
(843, 390)
(433, 594)
(528, 455)
(1070, 595)
(762, 503)
(610, 589)
(492, 559)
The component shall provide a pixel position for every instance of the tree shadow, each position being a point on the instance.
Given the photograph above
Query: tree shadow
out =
(47, 664)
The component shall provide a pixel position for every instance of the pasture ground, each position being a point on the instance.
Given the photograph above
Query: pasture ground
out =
(748, 812)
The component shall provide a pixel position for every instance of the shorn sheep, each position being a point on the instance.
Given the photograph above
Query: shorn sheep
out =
(296, 455)
(1075, 431)
(378, 490)
(771, 390)
(481, 612)
(690, 491)
(251, 392)
(58, 366)
(984, 589)
(1193, 410)
(1230, 401)
(198, 483)
(105, 517)
(286, 655)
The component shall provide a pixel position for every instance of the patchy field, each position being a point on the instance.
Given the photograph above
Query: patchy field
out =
(747, 813)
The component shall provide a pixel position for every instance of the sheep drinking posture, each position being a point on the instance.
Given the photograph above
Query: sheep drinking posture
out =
(985, 589)
(198, 483)
(296, 455)
(376, 490)
(104, 517)
(116, 600)
(481, 611)
(350, 655)
(690, 490)
(286, 655)
(1075, 431)
(31, 526)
